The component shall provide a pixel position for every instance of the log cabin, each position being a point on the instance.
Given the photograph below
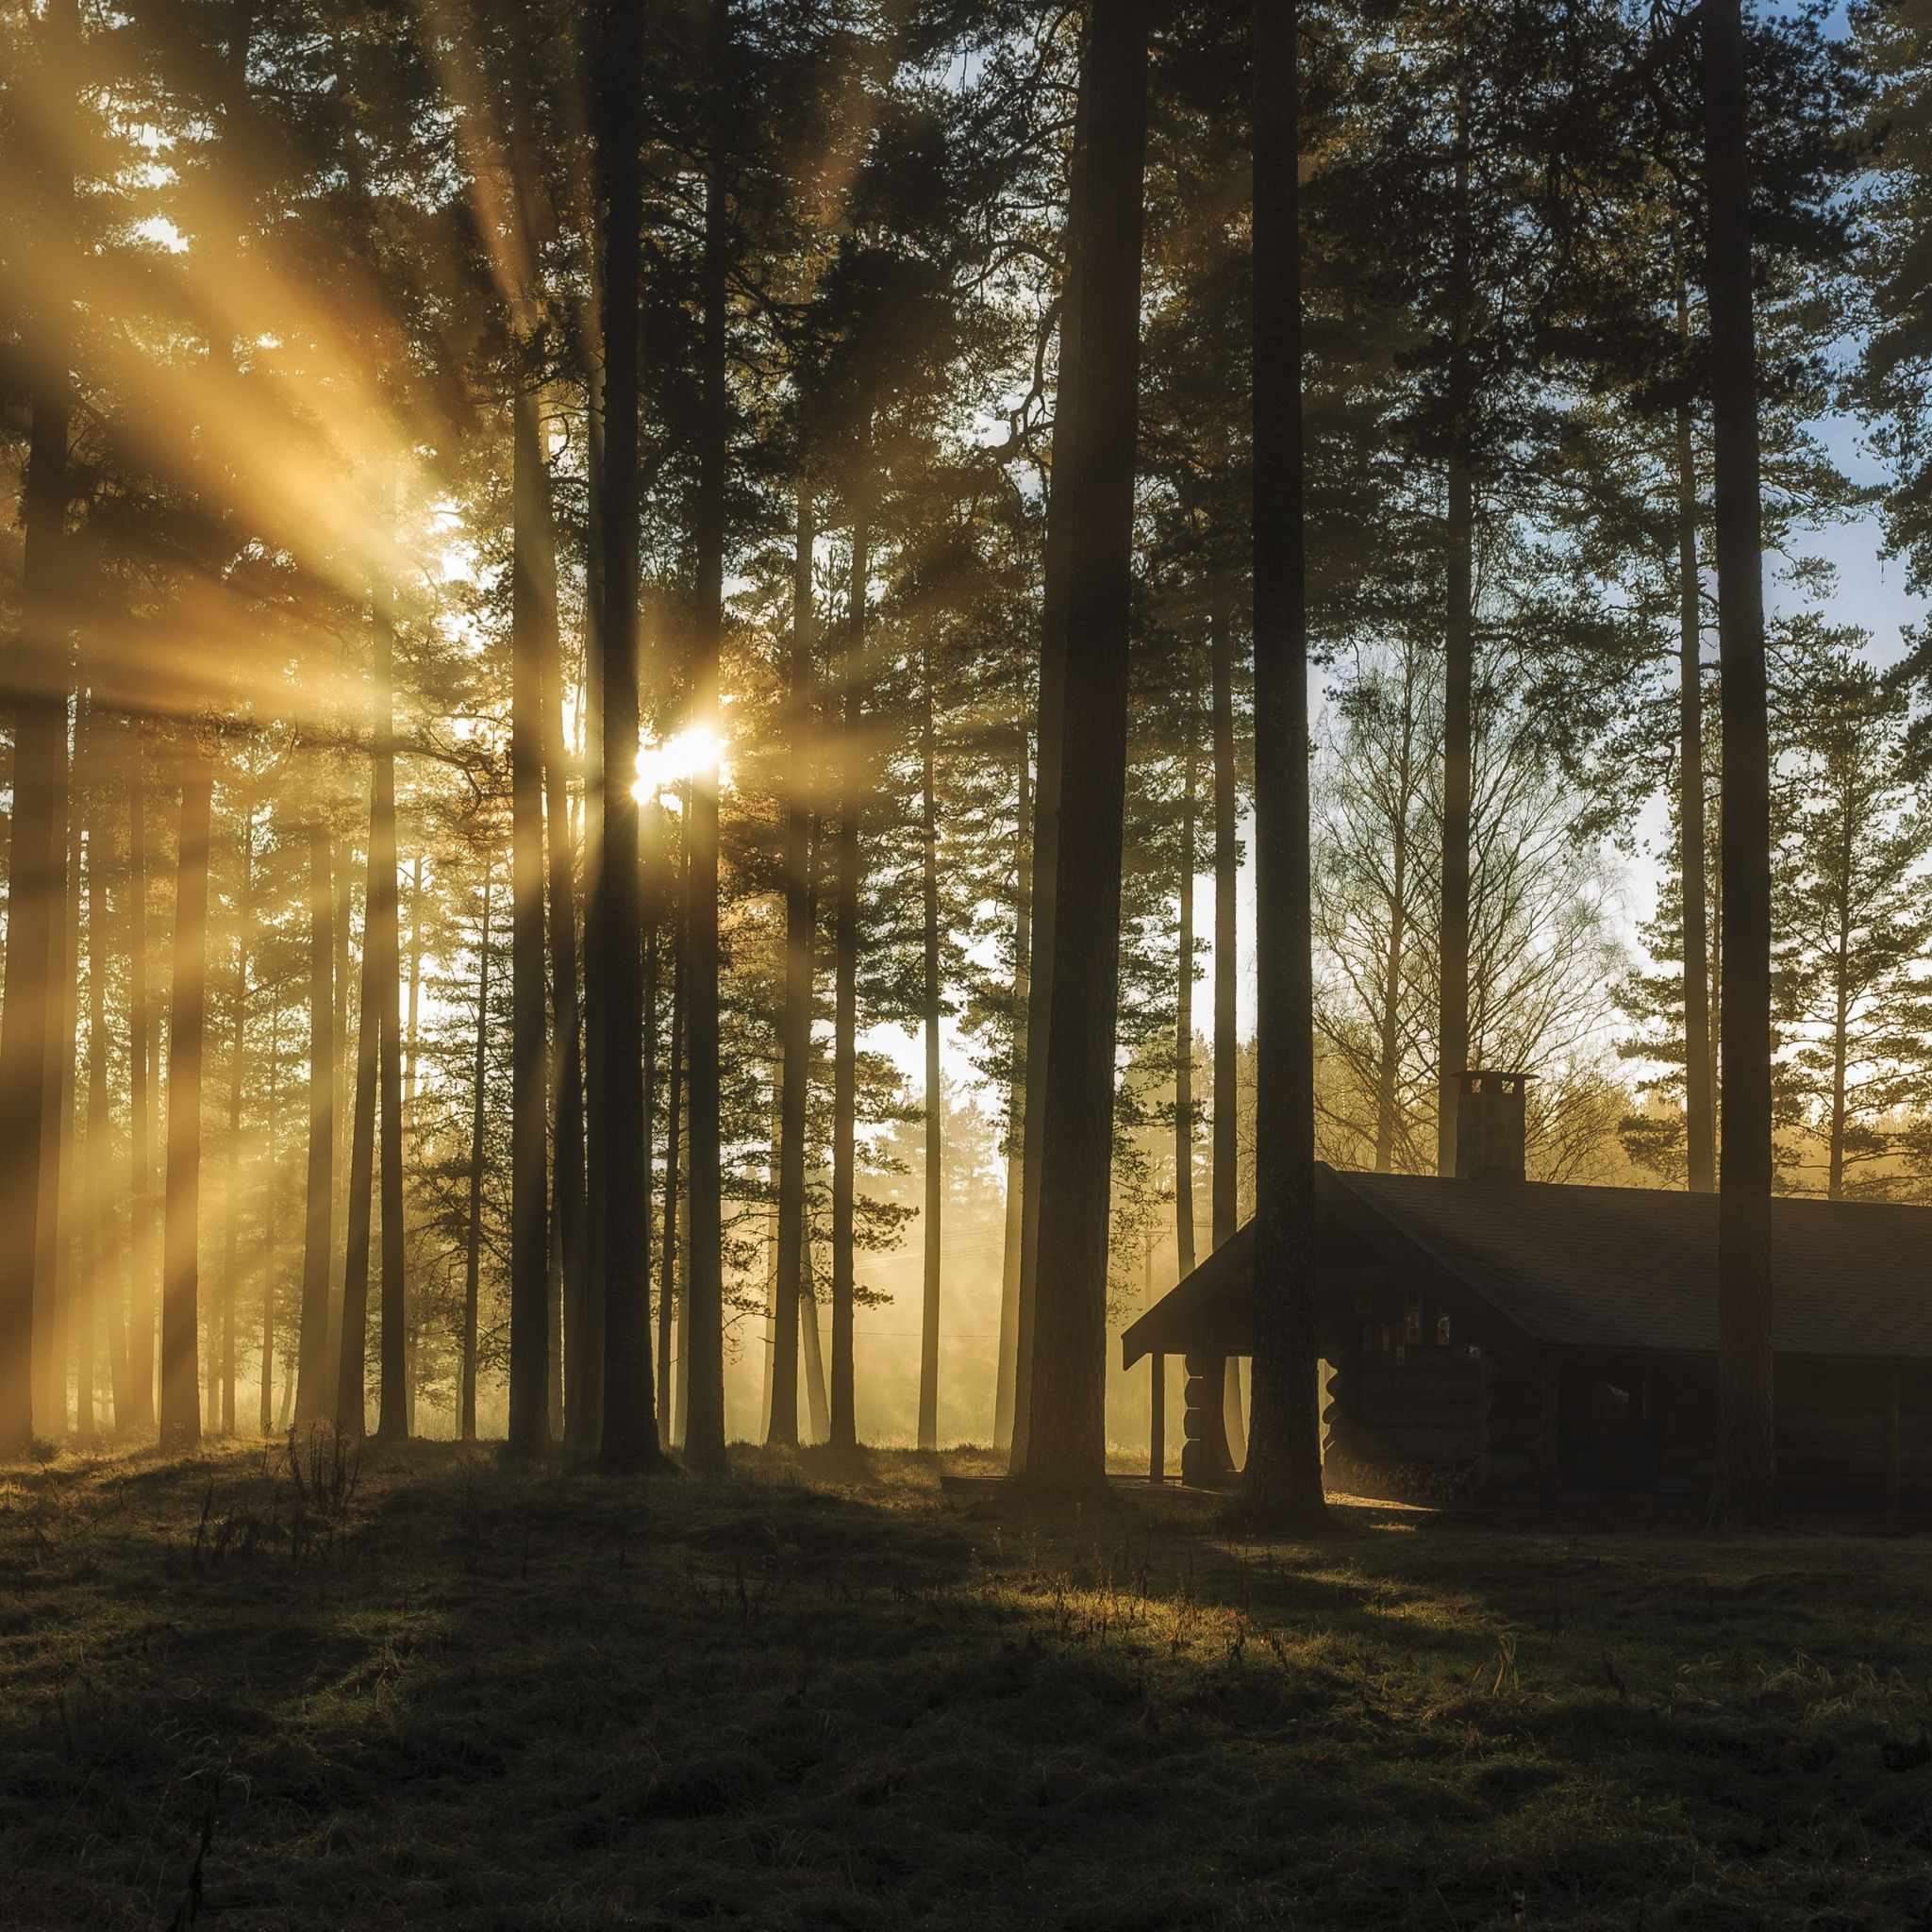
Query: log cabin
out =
(1493, 1340)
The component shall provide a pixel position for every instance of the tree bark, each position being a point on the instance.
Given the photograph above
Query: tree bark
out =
(37, 892)
(1459, 674)
(1745, 1467)
(96, 1311)
(704, 1440)
(676, 1214)
(1066, 1431)
(141, 1175)
(352, 1366)
(1016, 1088)
(382, 949)
(934, 1152)
(795, 1035)
(1184, 1014)
(616, 1122)
(1227, 1207)
(180, 1418)
(844, 1420)
(1282, 1482)
(583, 1357)
(1388, 1039)
(238, 1058)
(311, 1393)
(533, 615)
(472, 1245)
(1700, 1099)
(1056, 567)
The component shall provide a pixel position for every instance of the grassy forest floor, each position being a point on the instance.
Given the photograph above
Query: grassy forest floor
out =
(470, 1694)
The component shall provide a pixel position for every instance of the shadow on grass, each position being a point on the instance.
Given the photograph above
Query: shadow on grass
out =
(825, 1693)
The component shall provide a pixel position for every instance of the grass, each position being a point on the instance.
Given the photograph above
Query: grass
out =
(444, 1691)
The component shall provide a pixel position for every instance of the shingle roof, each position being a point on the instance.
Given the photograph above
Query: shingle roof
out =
(1632, 1268)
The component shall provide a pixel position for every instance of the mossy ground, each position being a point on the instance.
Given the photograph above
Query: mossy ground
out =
(482, 1695)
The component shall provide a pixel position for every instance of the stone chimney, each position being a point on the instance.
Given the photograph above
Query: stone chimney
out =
(1490, 1125)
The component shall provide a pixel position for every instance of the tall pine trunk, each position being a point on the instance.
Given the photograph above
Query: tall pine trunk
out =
(180, 1418)
(1184, 1012)
(311, 1388)
(1049, 732)
(37, 875)
(1390, 993)
(794, 1024)
(238, 1062)
(704, 1441)
(1226, 1184)
(1745, 1467)
(583, 1354)
(1700, 1098)
(141, 1173)
(1459, 653)
(533, 609)
(98, 1317)
(1007, 1370)
(473, 1242)
(844, 1420)
(1282, 1482)
(352, 1366)
(934, 1151)
(1066, 1425)
(616, 1126)
(672, 1396)
(382, 947)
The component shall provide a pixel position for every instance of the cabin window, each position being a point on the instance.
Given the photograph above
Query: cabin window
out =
(1413, 1318)
(1613, 1405)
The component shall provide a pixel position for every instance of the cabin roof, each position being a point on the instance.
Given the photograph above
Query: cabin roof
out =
(1613, 1269)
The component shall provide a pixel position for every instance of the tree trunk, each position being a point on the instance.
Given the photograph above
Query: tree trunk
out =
(238, 1058)
(533, 597)
(37, 879)
(382, 946)
(1700, 1102)
(180, 1418)
(1389, 1045)
(1282, 1482)
(795, 1025)
(583, 1354)
(311, 1397)
(95, 1311)
(348, 1084)
(1016, 1088)
(1184, 1015)
(472, 1245)
(141, 1176)
(1746, 1460)
(846, 998)
(1226, 1205)
(52, 1233)
(1066, 1429)
(818, 1407)
(1459, 675)
(674, 1146)
(704, 1441)
(272, 1171)
(934, 1153)
(616, 1126)
(352, 1366)
(37, 874)
(410, 1036)
(1049, 732)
